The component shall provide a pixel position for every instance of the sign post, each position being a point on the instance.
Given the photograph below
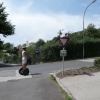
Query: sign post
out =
(37, 52)
(63, 53)
(63, 64)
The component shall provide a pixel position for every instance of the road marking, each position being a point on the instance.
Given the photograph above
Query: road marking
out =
(12, 75)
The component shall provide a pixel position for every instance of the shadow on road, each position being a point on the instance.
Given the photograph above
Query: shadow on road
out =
(2, 65)
(36, 74)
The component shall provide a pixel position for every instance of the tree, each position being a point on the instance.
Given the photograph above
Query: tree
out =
(1, 44)
(91, 31)
(40, 42)
(6, 28)
(7, 46)
(15, 50)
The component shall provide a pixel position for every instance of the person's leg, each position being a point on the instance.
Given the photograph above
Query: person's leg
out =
(24, 61)
(23, 65)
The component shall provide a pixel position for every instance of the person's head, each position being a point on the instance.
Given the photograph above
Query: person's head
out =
(24, 48)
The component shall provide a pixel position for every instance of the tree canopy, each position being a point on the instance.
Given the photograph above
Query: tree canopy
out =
(6, 28)
(40, 42)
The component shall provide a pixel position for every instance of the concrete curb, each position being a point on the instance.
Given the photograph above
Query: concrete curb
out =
(62, 85)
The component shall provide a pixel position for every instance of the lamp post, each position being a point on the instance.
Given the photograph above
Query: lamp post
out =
(83, 24)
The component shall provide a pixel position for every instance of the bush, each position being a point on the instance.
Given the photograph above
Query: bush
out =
(97, 62)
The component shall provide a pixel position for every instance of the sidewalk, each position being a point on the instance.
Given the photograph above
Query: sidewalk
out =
(81, 87)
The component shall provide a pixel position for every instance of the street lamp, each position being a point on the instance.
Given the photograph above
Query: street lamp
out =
(83, 24)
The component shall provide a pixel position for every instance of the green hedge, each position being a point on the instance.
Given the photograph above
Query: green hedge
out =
(97, 62)
(51, 52)
(74, 51)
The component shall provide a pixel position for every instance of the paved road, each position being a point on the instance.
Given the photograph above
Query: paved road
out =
(50, 67)
(40, 86)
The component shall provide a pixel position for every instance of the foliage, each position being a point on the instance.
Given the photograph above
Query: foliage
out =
(30, 49)
(31, 52)
(40, 42)
(1, 44)
(91, 31)
(97, 62)
(49, 52)
(1, 54)
(14, 50)
(7, 45)
(6, 28)
(76, 36)
(11, 59)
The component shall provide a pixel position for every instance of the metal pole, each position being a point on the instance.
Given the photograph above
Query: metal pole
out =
(83, 24)
(63, 64)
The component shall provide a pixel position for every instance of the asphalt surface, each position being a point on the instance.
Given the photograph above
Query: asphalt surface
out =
(49, 67)
(37, 87)
(30, 89)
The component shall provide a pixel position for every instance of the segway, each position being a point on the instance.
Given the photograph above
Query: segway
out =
(24, 71)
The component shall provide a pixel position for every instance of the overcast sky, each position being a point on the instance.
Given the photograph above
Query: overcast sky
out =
(42, 19)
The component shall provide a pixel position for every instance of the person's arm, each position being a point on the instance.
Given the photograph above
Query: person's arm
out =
(25, 53)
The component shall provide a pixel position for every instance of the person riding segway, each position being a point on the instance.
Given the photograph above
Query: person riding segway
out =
(24, 70)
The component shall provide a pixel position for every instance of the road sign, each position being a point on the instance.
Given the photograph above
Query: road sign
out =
(63, 53)
(63, 41)
(37, 51)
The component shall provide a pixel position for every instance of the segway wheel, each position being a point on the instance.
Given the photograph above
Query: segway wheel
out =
(24, 71)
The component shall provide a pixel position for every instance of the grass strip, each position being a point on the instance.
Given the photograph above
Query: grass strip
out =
(64, 93)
